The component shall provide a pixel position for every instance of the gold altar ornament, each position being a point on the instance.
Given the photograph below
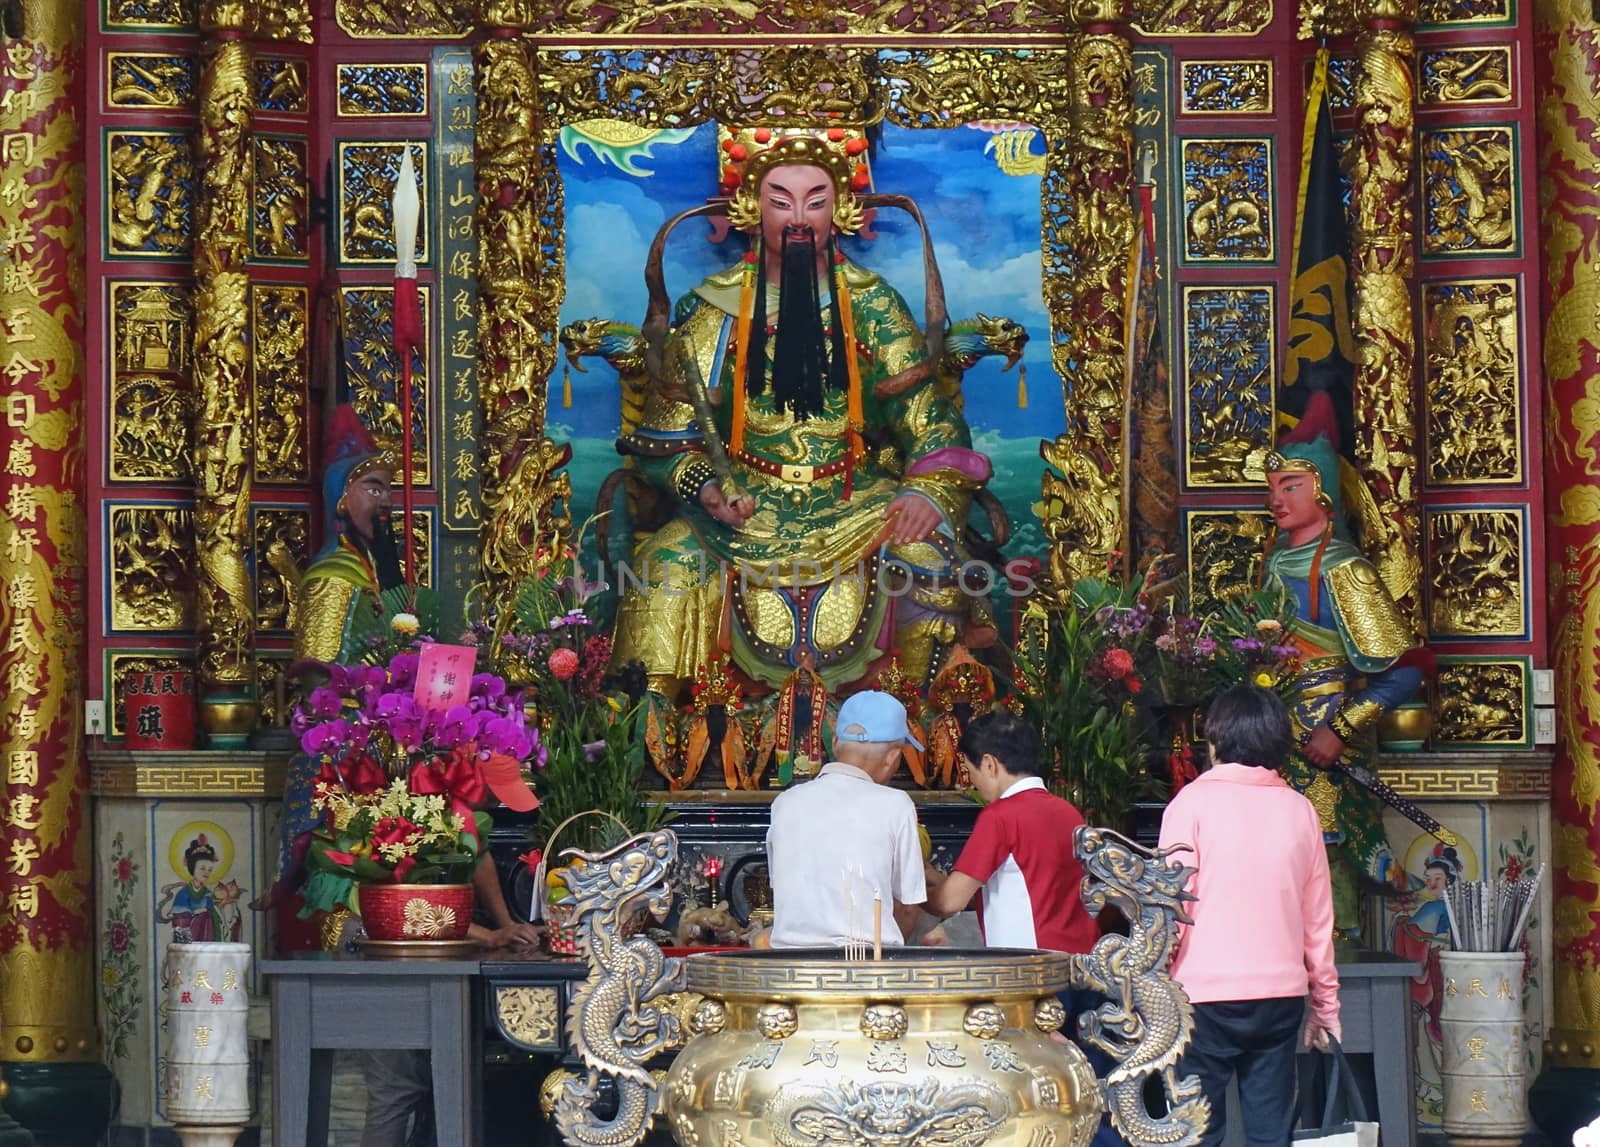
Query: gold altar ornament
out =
(1223, 548)
(1482, 703)
(149, 205)
(152, 575)
(151, 15)
(152, 391)
(282, 195)
(1469, 181)
(925, 1046)
(282, 550)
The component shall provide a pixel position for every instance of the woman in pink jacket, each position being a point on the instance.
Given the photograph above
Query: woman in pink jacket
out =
(1262, 937)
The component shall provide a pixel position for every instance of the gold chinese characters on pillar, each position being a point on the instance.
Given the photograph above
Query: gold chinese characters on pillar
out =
(46, 929)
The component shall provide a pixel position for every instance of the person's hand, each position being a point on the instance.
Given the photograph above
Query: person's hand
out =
(735, 513)
(513, 935)
(935, 937)
(932, 874)
(912, 518)
(1324, 747)
(1317, 1036)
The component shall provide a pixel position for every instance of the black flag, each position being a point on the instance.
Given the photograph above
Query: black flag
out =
(1320, 354)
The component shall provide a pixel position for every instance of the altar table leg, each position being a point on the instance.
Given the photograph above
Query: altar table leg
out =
(1392, 1063)
(302, 1079)
(455, 1062)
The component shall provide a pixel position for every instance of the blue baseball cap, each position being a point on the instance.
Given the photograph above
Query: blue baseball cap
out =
(879, 716)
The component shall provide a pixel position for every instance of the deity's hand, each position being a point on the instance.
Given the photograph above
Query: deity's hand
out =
(735, 513)
(912, 519)
(1324, 748)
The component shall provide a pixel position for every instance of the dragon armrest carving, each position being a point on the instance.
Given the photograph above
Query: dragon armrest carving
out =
(1147, 1021)
(614, 1025)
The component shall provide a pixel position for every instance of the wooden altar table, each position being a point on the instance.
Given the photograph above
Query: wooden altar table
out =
(325, 1001)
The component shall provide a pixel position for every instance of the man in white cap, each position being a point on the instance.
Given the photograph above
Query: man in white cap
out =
(844, 838)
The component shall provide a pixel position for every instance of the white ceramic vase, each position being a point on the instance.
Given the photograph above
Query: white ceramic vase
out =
(1483, 1052)
(208, 1060)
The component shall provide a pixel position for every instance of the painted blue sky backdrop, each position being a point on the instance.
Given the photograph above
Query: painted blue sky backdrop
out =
(985, 226)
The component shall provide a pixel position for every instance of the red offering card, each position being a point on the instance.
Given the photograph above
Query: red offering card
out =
(444, 675)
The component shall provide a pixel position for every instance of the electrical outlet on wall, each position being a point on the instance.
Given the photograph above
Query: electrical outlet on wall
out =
(1544, 686)
(94, 718)
(1544, 726)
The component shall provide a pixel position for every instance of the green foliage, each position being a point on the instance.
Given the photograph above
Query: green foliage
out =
(1080, 695)
(604, 792)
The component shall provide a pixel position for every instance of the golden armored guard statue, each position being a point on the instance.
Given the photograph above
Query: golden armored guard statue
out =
(1356, 651)
(819, 519)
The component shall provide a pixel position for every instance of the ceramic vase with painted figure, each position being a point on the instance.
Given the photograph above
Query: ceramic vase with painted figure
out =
(1483, 1049)
(208, 1060)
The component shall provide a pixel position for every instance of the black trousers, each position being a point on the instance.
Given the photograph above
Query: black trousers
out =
(1257, 1041)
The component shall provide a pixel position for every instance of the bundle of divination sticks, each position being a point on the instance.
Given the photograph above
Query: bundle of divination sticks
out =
(1491, 916)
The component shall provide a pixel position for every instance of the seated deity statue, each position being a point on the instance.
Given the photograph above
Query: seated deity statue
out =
(819, 520)
(1354, 645)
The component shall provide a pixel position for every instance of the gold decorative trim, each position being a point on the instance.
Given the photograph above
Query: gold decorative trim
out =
(381, 88)
(1486, 782)
(146, 81)
(1478, 570)
(180, 774)
(1475, 74)
(724, 977)
(1472, 361)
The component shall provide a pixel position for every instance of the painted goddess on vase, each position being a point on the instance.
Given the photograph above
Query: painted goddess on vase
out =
(832, 535)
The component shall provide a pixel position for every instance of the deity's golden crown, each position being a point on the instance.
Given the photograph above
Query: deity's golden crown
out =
(1277, 463)
(750, 152)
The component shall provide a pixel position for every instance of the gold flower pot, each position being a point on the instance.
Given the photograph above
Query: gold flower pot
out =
(942, 1048)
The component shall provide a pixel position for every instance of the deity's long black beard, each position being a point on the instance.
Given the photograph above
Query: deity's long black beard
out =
(385, 554)
(802, 367)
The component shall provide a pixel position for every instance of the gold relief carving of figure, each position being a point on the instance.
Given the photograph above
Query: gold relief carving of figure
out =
(280, 84)
(1477, 573)
(1482, 702)
(282, 20)
(1378, 161)
(152, 558)
(654, 89)
(829, 83)
(959, 85)
(281, 195)
(1226, 86)
(1227, 198)
(224, 422)
(151, 391)
(279, 366)
(520, 286)
(1472, 372)
(1466, 75)
(367, 174)
(282, 552)
(1469, 191)
(1230, 364)
(1224, 551)
(151, 184)
(139, 81)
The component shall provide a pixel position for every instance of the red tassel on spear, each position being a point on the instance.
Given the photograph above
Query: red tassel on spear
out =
(408, 333)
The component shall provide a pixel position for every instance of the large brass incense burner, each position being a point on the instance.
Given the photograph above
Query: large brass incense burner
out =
(927, 1047)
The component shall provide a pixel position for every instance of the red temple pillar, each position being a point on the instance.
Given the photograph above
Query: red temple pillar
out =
(49, 1048)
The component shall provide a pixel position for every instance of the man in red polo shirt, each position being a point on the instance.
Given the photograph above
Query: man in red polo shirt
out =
(1020, 852)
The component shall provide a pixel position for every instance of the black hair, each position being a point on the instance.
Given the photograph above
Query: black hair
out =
(802, 367)
(1005, 737)
(199, 849)
(1446, 860)
(1248, 725)
(385, 552)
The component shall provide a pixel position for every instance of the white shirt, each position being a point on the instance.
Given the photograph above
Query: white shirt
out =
(833, 842)
(1007, 907)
